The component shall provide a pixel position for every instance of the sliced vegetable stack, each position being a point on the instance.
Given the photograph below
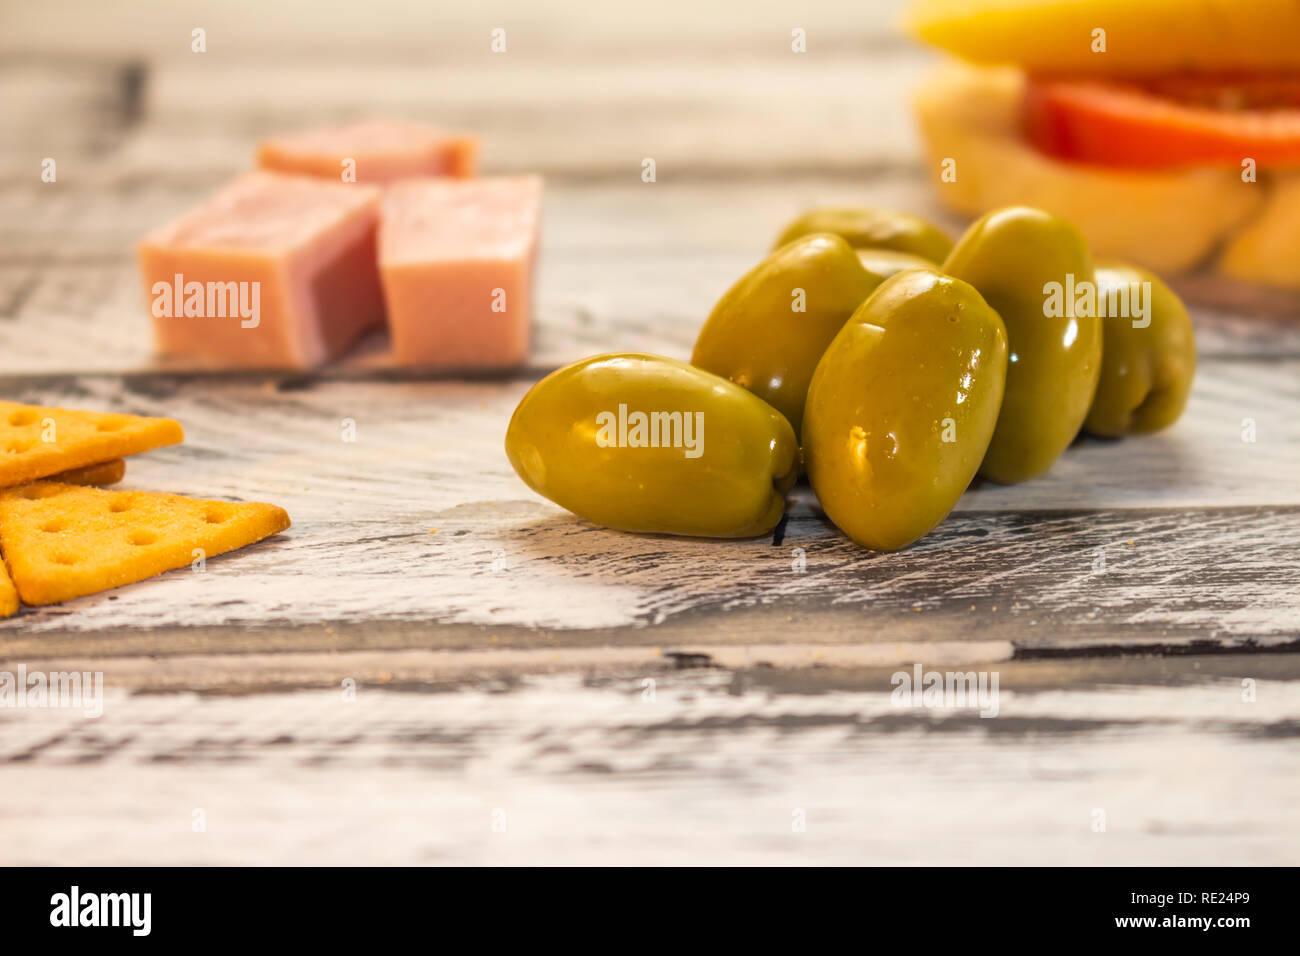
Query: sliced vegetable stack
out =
(1167, 131)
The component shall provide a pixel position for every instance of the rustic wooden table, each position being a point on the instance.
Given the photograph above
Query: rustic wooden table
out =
(529, 688)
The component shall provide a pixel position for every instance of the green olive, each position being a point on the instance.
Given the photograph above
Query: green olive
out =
(902, 406)
(1033, 267)
(887, 262)
(770, 328)
(866, 228)
(1148, 353)
(645, 443)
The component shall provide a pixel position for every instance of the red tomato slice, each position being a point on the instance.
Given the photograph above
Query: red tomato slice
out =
(1166, 123)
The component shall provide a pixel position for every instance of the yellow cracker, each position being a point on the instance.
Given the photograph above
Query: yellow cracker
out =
(102, 473)
(36, 442)
(64, 541)
(8, 596)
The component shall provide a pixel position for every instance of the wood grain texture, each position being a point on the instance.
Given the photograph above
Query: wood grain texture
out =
(501, 647)
(421, 519)
(628, 265)
(707, 767)
(581, 89)
(308, 30)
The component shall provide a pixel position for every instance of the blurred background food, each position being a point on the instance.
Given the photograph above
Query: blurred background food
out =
(745, 134)
(1168, 132)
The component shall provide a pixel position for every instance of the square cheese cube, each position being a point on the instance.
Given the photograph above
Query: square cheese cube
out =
(456, 258)
(375, 151)
(273, 271)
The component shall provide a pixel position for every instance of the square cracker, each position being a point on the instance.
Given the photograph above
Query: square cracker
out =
(65, 541)
(36, 441)
(100, 473)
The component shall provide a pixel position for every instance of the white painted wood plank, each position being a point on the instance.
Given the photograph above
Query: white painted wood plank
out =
(626, 265)
(405, 524)
(591, 117)
(415, 30)
(701, 89)
(707, 771)
(172, 670)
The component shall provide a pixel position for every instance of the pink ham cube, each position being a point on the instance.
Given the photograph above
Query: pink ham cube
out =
(456, 258)
(273, 271)
(375, 151)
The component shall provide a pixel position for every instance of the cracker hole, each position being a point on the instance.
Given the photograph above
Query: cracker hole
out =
(24, 416)
(53, 527)
(64, 557)
(17, 445)
(117, 507)
(143, 537)
(213, 516)
(109, 426)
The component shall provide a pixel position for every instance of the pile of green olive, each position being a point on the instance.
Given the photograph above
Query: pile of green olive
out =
(888, 363)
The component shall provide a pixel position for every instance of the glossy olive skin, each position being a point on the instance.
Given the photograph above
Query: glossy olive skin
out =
(921, 361)
(1147, 370)
(888, 262)
(1011, 255)
(756, 338)
(866, 228)
(563, 444)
